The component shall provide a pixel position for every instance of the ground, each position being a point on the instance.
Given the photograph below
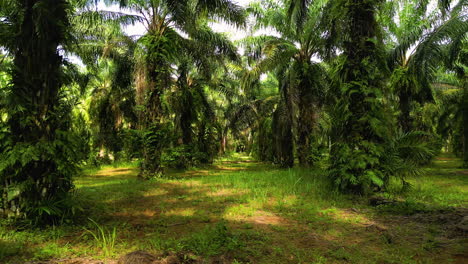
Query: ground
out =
(241, 211)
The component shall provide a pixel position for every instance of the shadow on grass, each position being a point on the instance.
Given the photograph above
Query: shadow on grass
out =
(157, 215)
(250, 214)
(10, 249)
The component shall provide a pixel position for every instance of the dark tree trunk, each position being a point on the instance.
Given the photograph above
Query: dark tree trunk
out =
(354, 153)
(465, 123)
(283, 137)
(186, 117)
(405, 111)
(265, 140)
(152, 147)
(37, 78)
(158, 79)
(186, 106)
(282, 129)
(306, 120)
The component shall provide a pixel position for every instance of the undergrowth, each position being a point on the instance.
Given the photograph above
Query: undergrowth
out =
(247, 212)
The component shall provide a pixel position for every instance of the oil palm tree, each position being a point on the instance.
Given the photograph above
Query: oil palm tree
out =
(251, 120)
(195, 119)
(38, 146)
(461, 68)
(417, 41)
(292, 53)
(166, 22)
(454, 104)
(359, 126)
(38, 160)
(112, 94)
(366, 149)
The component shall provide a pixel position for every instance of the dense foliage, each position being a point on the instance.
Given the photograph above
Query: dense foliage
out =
(370, 89)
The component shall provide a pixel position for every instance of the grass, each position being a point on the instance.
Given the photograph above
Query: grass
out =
(443, 186)
(104, 238)
(240, 211)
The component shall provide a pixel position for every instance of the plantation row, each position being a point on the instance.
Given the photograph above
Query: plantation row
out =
(370, 89)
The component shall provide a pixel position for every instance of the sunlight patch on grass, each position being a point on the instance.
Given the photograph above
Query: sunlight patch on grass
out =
(181, 212)
(156, 192)
(238, 212)
(222, 192)
(272, 216)
(348, 216)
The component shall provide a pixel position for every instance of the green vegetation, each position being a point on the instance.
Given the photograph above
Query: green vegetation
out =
(211, 131)
(251, 213)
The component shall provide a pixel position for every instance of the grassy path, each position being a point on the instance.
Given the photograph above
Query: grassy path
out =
(247, 212)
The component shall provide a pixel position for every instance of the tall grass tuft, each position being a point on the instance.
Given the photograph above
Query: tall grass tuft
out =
(104, 238)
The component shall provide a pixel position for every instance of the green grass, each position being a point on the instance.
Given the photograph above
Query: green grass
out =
(443, 186)
(104, 238)
(248, 212)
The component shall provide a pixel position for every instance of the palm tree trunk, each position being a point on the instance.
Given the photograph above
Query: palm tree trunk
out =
(303, 142)
(465, 122)
(223, 140)
(265, 140)
(186, 116)
(152, 150)
(186, 107)
(354, 154)
(158, 78)
(283, 138)
(405, 110)
(306, 122)
(306, 119)
(36, 79)
(282, 129)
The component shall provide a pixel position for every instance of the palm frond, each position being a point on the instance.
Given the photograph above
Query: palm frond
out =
(298, 13)
(429, 53)
(93, 17)
(217, 42)
(223, 10)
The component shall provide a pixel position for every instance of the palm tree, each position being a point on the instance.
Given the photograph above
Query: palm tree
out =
(251, 116)
(166, 22)
(359, 122)
(38, 160)
(454, 117)
(38, 145)
(456, 60)
(195, 119)
(366, 149)
(112, 95)
(417, 41)
(293, 53)
(464, 109)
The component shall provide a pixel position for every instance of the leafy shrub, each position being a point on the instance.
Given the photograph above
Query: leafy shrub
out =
(397, 157)
(132, 140)
(183, 156)
(404, 154)
(155, 138)
(180, 157)
(316, 153)
(37, 177)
